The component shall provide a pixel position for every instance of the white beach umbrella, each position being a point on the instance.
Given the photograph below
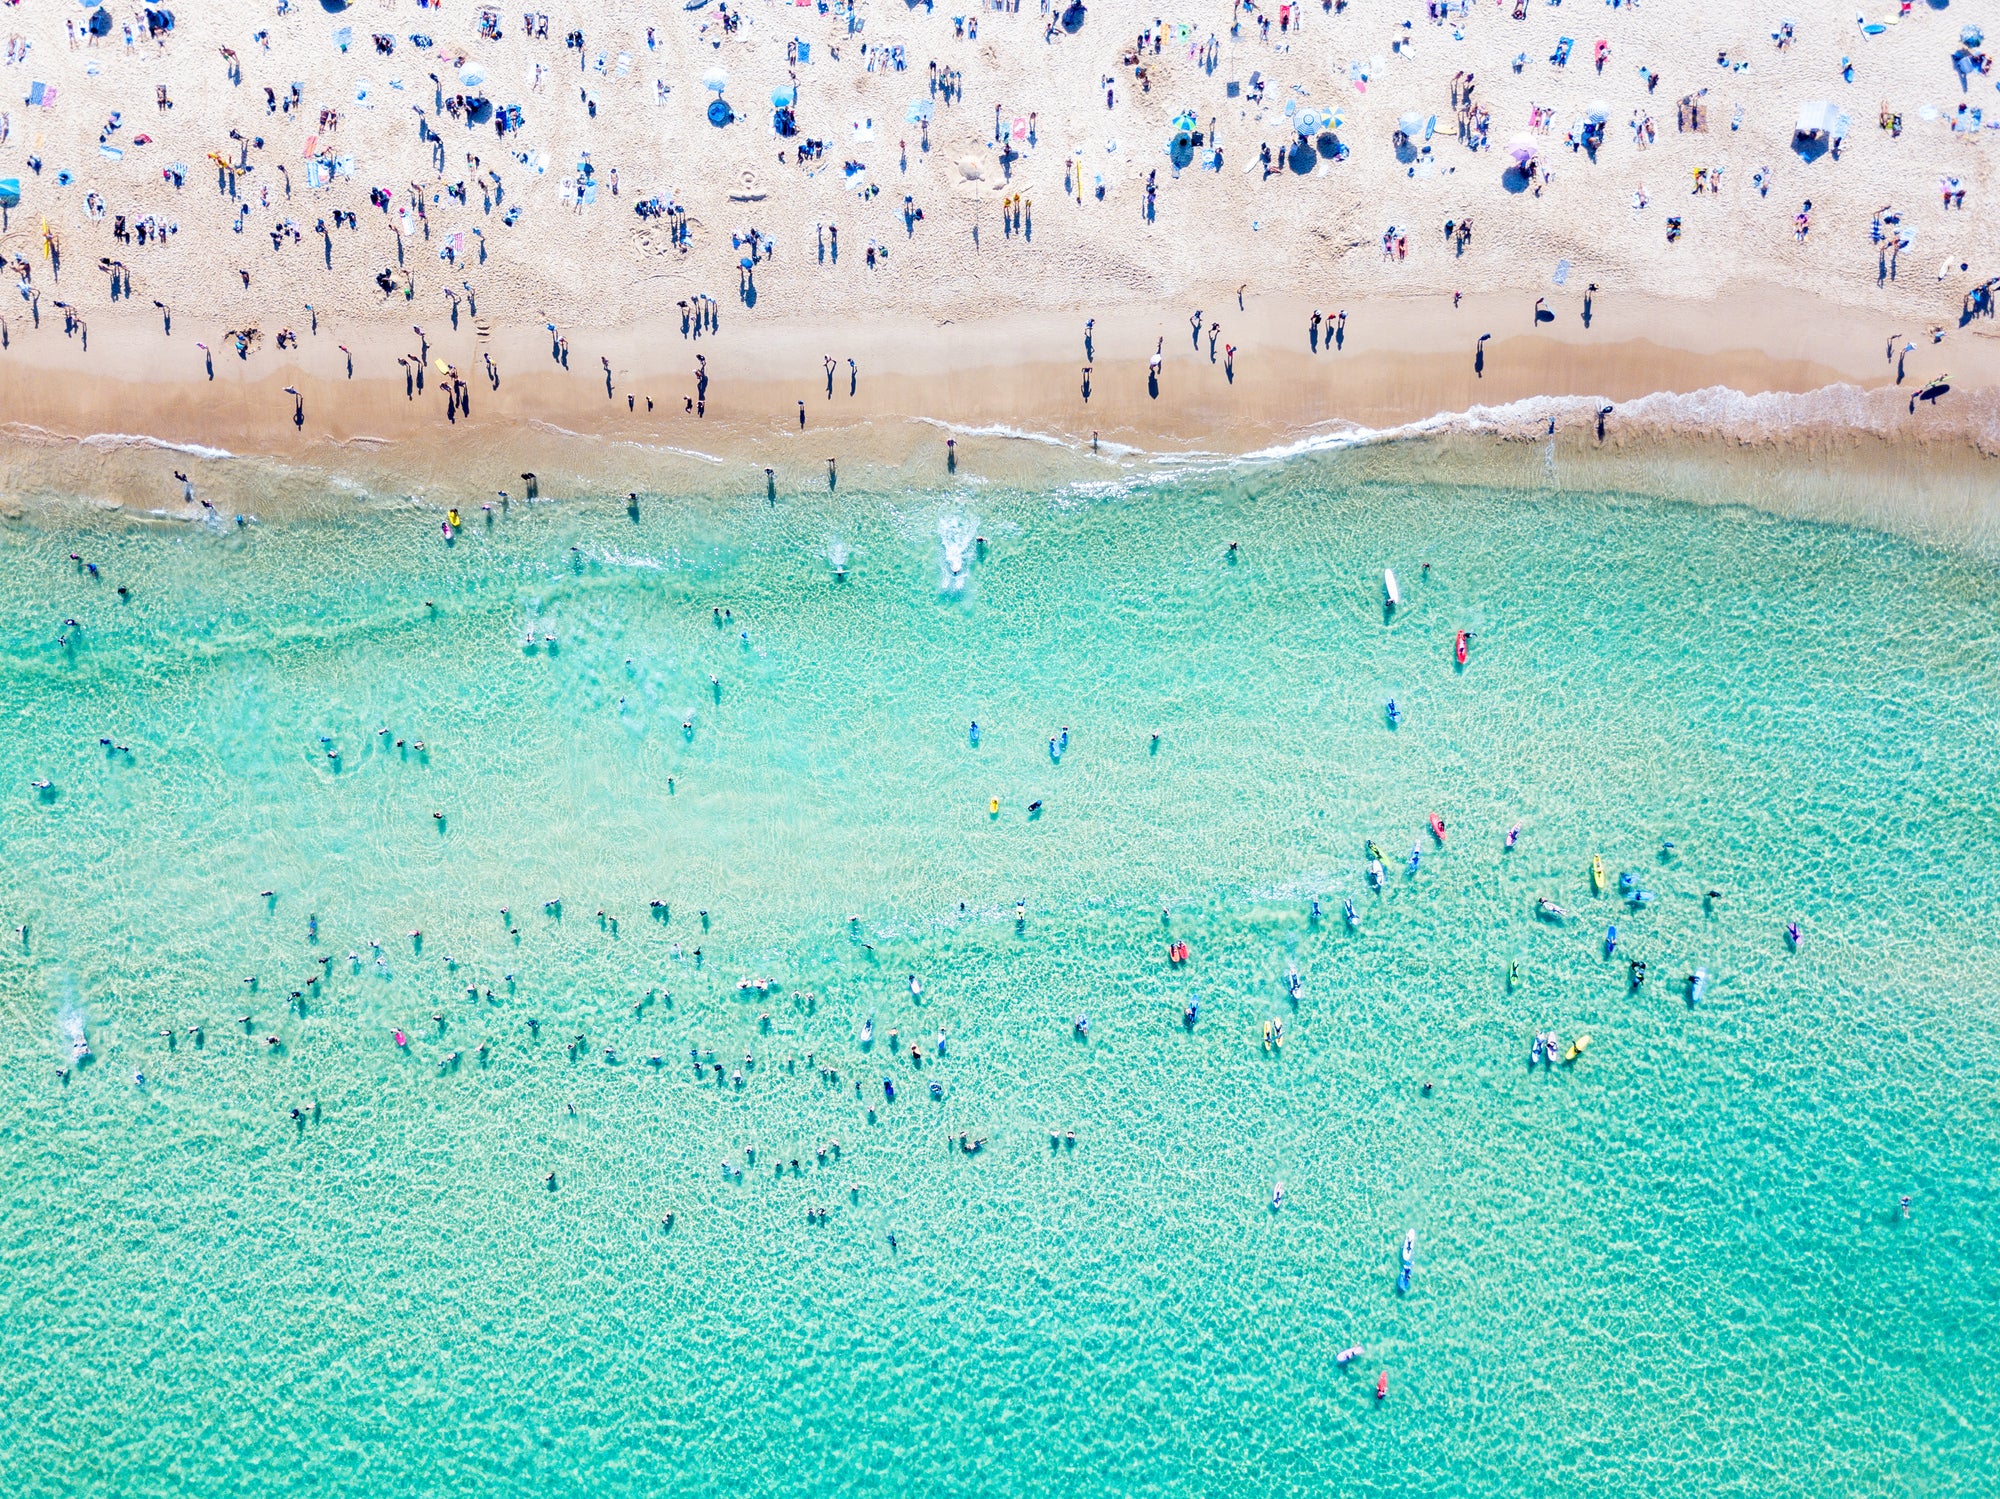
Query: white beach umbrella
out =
(715, 80)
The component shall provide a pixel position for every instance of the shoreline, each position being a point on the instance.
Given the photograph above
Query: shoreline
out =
(1762, 371)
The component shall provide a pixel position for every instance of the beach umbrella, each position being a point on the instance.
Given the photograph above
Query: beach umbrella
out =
(10, 192)
(715, 80)
(1307, 123)
(1522, 149)
(1598, 112)
(719, 112)
(1185, 120)
(1972, 36)
(1411, 123)
(100, 22)
(782, 96)
(472, 77)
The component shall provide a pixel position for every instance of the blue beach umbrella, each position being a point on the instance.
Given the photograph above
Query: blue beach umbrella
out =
(782, 96)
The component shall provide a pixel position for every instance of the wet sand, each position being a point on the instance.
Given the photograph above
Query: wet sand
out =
(1761, 370)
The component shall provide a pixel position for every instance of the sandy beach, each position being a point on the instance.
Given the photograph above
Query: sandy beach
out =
(1054, 751)
(356, 263)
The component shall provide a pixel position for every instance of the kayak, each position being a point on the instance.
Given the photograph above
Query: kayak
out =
(1389, 588)
(1437, 828)
(1597, 873)
(1458, 646)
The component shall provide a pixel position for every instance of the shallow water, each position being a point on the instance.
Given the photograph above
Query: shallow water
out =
(1676, 1267)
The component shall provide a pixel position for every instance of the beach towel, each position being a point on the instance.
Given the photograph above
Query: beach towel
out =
(111, 153)
(49, 97)
(36, 92)
(342, 36)
(864, 130)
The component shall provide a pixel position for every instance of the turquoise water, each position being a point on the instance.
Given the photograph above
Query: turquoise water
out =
(1677, 1266)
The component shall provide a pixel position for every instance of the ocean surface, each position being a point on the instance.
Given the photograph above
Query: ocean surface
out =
(629, 1209)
